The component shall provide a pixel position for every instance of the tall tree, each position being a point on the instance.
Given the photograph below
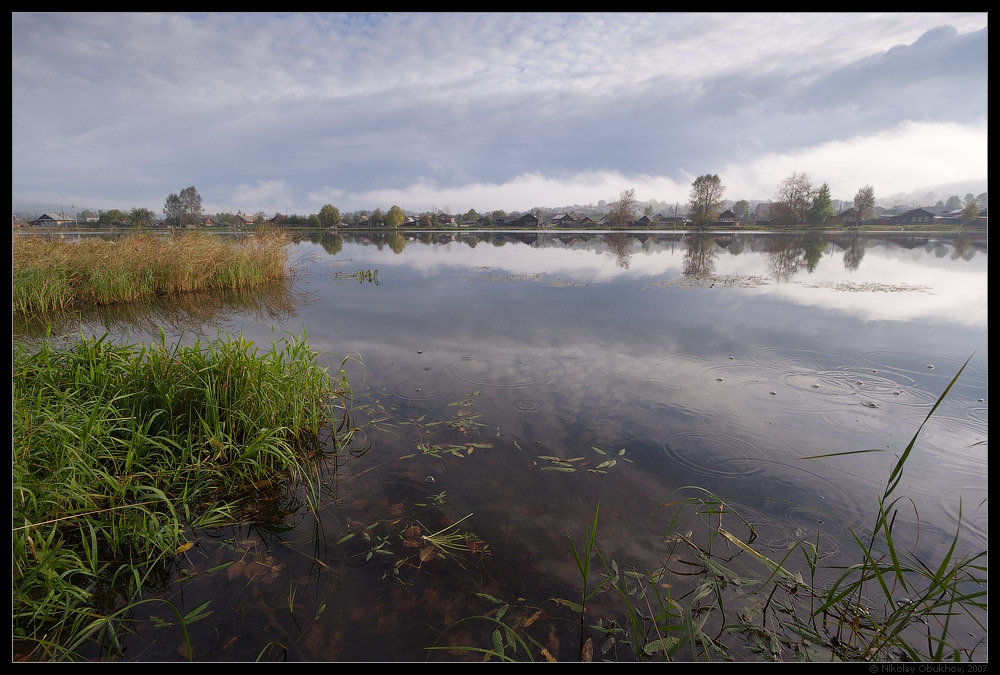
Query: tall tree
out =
(173, 211)
(970, 212)
(953, 203)
(191, 206)
(394, 217)
(706, 199)
(622, 213)
(864, 203)
(795, 196)
(183, 210)
(329, 215)
(140, 217)
(822, 205)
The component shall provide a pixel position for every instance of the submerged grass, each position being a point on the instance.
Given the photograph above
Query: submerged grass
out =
(54, 274)
(117, 450)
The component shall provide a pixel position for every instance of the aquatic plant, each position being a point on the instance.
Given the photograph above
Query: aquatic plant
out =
(119, 450)
(55, 274)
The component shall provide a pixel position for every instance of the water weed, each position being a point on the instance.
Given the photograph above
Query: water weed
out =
(119, 450)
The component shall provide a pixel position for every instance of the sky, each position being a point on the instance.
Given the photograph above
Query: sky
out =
(451, 112)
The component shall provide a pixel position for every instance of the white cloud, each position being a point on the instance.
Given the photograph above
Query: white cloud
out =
(909, 156)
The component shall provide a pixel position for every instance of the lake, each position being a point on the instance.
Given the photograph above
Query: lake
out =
(508, 385)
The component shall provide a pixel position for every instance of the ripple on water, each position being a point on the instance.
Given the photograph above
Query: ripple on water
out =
(503, 370)
(422, 388)
(527, 405)
(714, 454)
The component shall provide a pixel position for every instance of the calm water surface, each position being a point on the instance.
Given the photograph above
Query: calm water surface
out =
(496, 372)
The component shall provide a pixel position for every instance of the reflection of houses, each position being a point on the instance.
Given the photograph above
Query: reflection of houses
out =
(48, 220)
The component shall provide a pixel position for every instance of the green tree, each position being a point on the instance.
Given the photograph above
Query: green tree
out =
(113, 218)
(191, 206)
(329, 215)
(970, 212)
(953, 203)
(426, 220)
(864, 203)
(822, 205)
(140, 217)
(706, 199)
(622, 213)
(183, 210)
(173, 211)
(394, 217)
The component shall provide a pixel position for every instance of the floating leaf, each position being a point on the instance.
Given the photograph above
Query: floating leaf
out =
(587, 651)
(345, 538)
(661, 645)
(598, 450)
(572, 605)
(558, 468)
(486, 596)
(185, 546)
(548, 656)
(608, 464)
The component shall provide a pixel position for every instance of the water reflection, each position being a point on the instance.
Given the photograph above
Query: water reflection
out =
(510, 366)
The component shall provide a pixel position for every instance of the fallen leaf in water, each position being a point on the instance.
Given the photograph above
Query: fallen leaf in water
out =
(185, 546)
(426, 553)
(587, 652)
(548, 657)
(531, 619)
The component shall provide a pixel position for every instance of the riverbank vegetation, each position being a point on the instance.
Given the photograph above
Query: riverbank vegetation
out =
(51, 274)
(118, 451)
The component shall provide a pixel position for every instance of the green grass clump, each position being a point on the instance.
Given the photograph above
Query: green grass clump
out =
(118, 449)
(53, 274)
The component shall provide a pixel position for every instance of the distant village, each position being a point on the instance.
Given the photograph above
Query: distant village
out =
(584, 217)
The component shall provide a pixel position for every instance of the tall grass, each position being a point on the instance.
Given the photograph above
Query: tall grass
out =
(117, 450)
(54, 274)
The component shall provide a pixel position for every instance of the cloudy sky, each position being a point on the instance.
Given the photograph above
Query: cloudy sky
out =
(287, 112)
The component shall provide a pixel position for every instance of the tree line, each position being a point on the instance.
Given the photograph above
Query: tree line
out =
(797, 201)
